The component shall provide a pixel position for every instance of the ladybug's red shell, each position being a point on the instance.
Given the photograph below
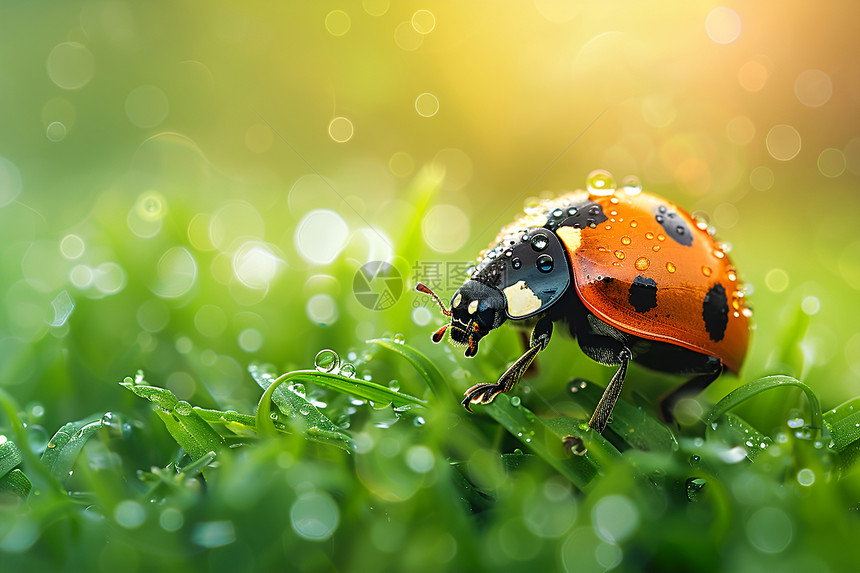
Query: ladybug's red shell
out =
(650, 270)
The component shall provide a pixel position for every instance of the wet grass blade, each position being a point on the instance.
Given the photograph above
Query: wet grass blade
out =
(547, 443)
(425, 367)
(189, 430)
(64, 447)
(10, 457)
(844, 424)
(234, 421)
(357, 387)
(298, 413)
(751, 389)
(16, 483)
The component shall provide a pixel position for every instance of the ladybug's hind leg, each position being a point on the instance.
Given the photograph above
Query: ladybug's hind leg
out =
(605, 345)
(689, 389)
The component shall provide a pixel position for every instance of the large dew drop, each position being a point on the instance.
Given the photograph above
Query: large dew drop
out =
(631, 185)
(600, 182)
(327, 360)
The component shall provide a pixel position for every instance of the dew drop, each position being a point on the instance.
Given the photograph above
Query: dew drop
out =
(298, 389)
(694, 488)
(631, 185)
(515, 401)
(706, 270)
(619, 255)
(633, 223)
(795, 422)
(539, 242)
(516, 262)
(348, 369)
(399, 338)
(394, 385)
(544, 263)
(600, 182)
(304, 411)
(642, 264)
(670, 267)
(661, 237)
(625, 240)
(418, 421)
(327, 360)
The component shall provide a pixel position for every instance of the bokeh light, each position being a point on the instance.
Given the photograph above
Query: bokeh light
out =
(723, 25)
(71, 65)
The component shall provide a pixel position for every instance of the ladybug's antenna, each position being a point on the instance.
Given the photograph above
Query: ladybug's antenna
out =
(421, 287)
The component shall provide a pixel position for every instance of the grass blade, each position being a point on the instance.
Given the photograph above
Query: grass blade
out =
(189, 430)
(540, 438)
(10, 456)
(16, 483)
(425, 367)
(749, 390)
(302, 416)
(844, 424)
(64, 447)
(357, 387)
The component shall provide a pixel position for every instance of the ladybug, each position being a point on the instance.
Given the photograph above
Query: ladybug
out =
(629, 274)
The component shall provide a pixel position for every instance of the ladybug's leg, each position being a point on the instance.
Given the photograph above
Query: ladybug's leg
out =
(601, 414)
(690, 388)
(485, 393)
(608, 351)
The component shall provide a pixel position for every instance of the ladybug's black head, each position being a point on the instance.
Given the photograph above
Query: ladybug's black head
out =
(476, 309)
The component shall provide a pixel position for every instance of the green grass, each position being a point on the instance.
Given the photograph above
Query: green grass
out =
(337, 472)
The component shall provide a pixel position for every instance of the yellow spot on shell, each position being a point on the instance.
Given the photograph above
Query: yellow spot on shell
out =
(706, 270)
(521, 299)
(619, 255)
(670, 267)
(572, 238)
(625, 240)
(642, 264)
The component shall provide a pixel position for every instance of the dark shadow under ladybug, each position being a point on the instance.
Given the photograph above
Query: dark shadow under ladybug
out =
(526, 279)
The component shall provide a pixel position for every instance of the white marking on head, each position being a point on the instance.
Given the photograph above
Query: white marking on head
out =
(522, 300)
(473, 307)
(457, 300)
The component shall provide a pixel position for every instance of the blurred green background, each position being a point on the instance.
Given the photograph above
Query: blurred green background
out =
(187, 188)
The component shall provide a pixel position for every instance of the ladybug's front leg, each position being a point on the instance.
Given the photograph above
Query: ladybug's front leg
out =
(485, 393)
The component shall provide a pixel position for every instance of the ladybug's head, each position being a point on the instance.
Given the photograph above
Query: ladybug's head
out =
(476, 309)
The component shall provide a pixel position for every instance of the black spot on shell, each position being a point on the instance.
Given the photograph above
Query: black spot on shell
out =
(643, 294)
(715, 311)
(674, 225)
